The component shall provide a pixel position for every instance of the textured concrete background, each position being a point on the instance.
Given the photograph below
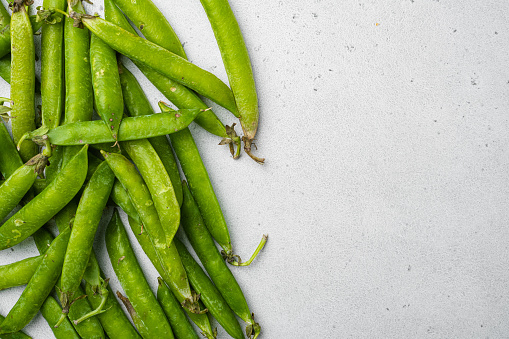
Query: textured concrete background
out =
(385, 128)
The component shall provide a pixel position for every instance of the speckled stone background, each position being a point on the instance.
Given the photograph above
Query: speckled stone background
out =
(385, 128)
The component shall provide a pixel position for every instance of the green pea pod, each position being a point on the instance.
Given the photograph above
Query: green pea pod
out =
(176, 316)
(15, 187)
(51, 311)
(38, 288)
(206, 249)
(16, 335)
(162, 60)
(153, 323)
(136, 103)
(44, 206)
(133, 128)
(140, 196)
(159, 31)
(201, 187)
(201, 320)
(10, 160)
(79, 94)
(18, 273)
(210, 296)
(52, 67)
(112, 318)
(158, 182)
(238, 67)
(22, 80)
(106, 83)
(88, 215)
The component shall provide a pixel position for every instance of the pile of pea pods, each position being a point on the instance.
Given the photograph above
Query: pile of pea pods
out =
(62, 165)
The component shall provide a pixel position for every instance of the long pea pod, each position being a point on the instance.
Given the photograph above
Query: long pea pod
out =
(16, 335)
(132, 128)
(206, 249)
(143, 237)
(238, 67)
(210, 296)
(182, 328)
(152, 320)
(38, 287)
(86, 221)
(158, 182)
(52, 67)
(15, 187)
(162, 60)
(22, 78)
(140, 196)
(51, 311)
(106, 83)
(136, 103)
(157, 29)
(18, 273)
(151, 22)
(199, 183)
(79, 94)
(45, 205)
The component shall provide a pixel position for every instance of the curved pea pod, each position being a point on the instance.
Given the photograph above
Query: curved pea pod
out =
(106, 83)
(15, 187)
(136, 103)
(152, 23)
(158, 182)
(175, 313)
(132, 128)
(238, 67)
(22, 80)
(163, 61)
(88, 215)
(206, 249)
(159, 31)
(45, 205)
(141, 199)
(18, 273)
(38, 287)
(209, 294)
(51, 312)
(16, 335)
(152, 322)
(201, 320)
